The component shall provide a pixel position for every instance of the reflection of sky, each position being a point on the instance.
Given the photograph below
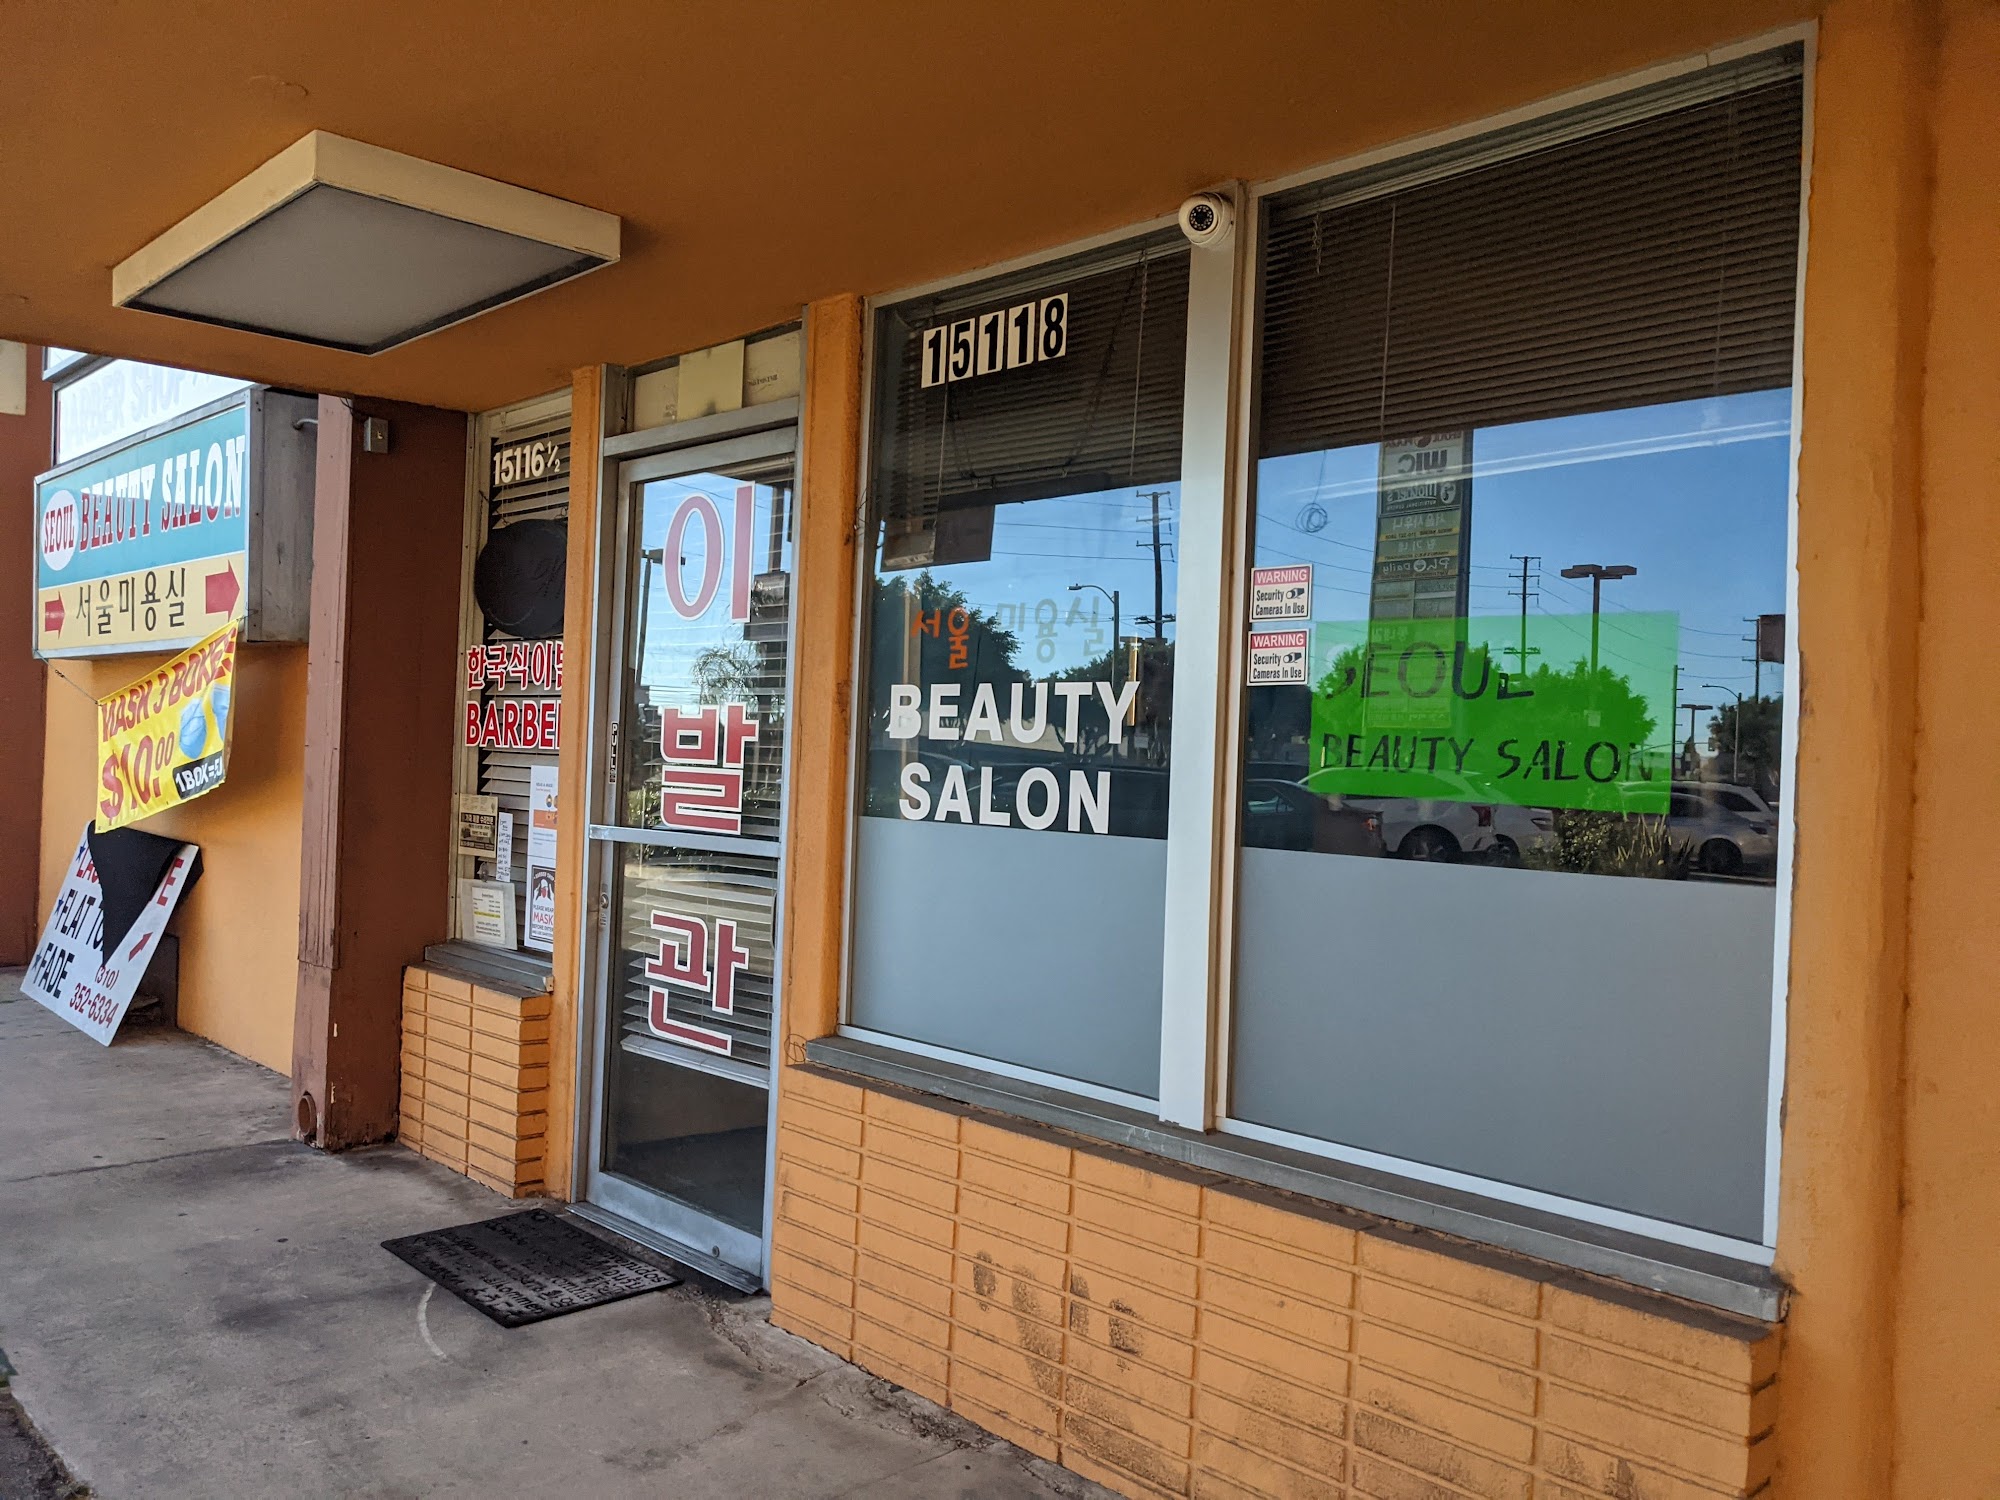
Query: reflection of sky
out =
(670, 644)
(1041, 547)
(1692, 493)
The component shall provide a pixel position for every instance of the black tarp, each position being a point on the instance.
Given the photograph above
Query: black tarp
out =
(130, 863)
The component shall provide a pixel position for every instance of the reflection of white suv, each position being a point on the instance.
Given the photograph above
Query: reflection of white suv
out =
(1731, 829)
(1433, 829)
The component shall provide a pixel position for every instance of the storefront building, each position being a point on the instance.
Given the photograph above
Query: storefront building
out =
(1303, 825)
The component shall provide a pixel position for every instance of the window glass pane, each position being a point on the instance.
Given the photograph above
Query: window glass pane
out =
(1507, 894)
(685, 1097)
(116, 400)
(705, 683)
(1010, 859)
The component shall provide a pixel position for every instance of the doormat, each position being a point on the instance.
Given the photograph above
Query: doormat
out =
(522, 1268)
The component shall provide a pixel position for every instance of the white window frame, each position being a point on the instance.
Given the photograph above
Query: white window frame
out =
(1217, 464)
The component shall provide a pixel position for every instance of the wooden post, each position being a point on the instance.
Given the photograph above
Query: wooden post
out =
(821, 710)
(380, 692)
(596, 401)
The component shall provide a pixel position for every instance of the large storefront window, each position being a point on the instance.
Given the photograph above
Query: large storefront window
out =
(1513, 763)
(1024, 506)
(1470, 868)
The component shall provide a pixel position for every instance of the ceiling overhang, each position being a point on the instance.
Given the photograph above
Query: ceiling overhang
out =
(352, 247)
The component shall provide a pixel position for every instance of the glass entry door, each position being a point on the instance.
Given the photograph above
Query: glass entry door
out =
(685, 842)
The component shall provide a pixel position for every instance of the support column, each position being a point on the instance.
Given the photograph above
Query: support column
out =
(25, 450)
(380, 697)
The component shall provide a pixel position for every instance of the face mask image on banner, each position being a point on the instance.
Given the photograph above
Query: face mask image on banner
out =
(165, 739)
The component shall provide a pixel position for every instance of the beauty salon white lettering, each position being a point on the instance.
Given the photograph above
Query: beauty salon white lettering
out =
(1040, 795)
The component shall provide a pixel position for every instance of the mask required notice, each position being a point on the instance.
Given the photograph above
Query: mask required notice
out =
(1437, 709)
(165, 739)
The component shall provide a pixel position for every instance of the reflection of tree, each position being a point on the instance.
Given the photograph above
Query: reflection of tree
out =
(903, 654)
(1603, 701)
(1606, 843)
(725, 673)
(1152, 660)
(1754, 759)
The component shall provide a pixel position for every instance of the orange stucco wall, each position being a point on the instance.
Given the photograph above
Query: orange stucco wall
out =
(239, 929)
(1947, 1374)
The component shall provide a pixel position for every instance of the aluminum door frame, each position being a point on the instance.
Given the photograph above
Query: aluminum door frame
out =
(762, 432)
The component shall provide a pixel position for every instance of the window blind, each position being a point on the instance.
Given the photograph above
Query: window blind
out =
(506, 773)
(1644, 254)
(1106, 414)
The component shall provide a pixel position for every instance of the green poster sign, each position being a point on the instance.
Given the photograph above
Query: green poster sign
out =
(1445, 709)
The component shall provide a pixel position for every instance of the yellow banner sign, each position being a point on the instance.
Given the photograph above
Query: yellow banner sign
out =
(165, 739)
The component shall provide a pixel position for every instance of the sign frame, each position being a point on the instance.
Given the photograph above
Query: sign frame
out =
(98, 996)
(279, 470)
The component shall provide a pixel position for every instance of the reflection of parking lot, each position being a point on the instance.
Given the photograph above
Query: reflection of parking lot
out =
(1704, 831)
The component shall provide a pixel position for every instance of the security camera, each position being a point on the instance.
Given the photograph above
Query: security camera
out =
(1207, 219)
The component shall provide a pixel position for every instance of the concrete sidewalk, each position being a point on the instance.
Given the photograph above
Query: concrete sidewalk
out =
(197, 1306)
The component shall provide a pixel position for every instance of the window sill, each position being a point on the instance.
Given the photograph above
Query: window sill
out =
(1652, 1265)
(517, 973)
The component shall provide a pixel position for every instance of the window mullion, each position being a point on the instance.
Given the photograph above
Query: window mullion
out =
(1199, 836)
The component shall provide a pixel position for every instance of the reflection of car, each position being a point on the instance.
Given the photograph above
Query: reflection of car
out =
(1725, 841)
(1431, 828)
(1736, 799)
(1284, 815)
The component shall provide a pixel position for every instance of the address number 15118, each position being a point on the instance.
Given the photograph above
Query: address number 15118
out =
(996, 341)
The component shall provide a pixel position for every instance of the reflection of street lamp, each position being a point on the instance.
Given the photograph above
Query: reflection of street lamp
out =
(1735, 754)
(1112, 595)
(1597, 573)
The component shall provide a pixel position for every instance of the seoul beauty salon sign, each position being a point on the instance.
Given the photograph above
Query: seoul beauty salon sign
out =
(1440, 709)
(146, 545)
(1055, 717)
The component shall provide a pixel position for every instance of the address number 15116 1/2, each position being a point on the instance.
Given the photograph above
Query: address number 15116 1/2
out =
(1002, 340)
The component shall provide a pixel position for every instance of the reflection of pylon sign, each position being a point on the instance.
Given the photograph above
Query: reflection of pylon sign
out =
(684, 960)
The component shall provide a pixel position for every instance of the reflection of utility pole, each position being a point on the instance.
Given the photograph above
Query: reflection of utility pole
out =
(1523, 651)
(1736, 754)
(1158, 618)
(1597, 573)
(1112, 595)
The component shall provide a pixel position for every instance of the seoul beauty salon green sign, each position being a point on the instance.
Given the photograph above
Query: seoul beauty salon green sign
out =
(1445, 709)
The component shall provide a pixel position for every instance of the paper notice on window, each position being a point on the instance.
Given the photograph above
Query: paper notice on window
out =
(486, 912)
(541, 909)
(541, 933)
(478, 831)
(1278, 658)
(1281, 593)
(542, 816)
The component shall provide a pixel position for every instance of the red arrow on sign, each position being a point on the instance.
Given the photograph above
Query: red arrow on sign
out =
(52, 616)
(222, 590)
(138, 946)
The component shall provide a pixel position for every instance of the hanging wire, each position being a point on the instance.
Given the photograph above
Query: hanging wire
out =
(1722, 270)
(1388, 315)
(1138, 372)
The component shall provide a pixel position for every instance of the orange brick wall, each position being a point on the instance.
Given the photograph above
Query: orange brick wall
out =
(1173, 1333)
(475, 1085)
